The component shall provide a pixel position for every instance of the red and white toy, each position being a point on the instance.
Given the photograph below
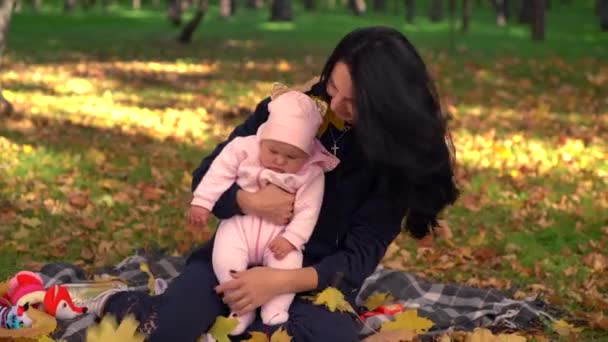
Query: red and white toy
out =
(28, 287)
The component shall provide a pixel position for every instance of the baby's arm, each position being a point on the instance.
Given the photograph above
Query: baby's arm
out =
(306, 213)
(220, 176)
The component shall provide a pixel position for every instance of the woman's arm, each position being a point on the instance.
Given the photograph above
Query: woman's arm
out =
(227, 205)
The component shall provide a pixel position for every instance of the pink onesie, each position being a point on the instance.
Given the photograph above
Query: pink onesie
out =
(242, 241)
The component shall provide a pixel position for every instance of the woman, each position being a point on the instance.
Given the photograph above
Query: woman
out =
(395, 163)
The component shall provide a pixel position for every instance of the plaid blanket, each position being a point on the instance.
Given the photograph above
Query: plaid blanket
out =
(450, 307)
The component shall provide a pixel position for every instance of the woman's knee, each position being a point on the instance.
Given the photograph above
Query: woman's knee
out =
(309, 322)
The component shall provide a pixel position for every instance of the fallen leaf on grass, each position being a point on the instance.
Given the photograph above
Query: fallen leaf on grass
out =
(485, 335)
(222, 327)
(31, 222)
(564, 328)
(596, 261)
(408, 320)
(378, 299)
(78, 200)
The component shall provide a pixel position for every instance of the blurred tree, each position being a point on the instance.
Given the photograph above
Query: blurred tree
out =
(186, 35)
(526, 11)
(436, 10)
(225, 9)
(410, 7)
(603, 12)
(6, 10)
(136, 4)
(357, 6)
(68, 5)
(174, 12)
(538, 19)
(467, 8)
(380, 5)
(503, 12)
(281, 10)
(255, 4)
(309, 4)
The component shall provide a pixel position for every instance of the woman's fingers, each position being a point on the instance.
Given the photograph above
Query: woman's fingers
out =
(233, 298)
(228, 286)
(242, 306)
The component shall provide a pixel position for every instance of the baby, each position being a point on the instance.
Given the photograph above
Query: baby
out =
(284, 152)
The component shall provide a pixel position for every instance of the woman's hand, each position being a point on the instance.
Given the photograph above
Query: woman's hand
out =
(270, 203)
(251, 288)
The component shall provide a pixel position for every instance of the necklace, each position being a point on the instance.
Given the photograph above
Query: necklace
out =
(335, 147)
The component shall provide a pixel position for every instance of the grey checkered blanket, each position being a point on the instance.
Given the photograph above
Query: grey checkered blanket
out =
(450, 307)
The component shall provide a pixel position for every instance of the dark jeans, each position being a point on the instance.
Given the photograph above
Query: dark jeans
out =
(190, 305)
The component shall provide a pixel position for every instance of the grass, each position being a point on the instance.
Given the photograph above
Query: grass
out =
(112, 115)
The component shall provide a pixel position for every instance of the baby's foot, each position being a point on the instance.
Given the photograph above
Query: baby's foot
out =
(244, 321)
(274, 317)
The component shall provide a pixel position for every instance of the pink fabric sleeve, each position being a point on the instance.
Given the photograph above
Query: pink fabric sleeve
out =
(306, 211)
(221, 175)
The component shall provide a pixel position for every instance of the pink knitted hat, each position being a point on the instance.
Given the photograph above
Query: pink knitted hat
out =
(294, 119)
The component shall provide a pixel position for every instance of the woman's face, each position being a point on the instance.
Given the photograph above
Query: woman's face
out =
(340, 89)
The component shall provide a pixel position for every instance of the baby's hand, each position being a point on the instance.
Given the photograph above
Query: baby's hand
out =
(198, 216)
(280, 246)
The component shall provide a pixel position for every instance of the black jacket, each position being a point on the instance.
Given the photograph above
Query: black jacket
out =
(358, 220)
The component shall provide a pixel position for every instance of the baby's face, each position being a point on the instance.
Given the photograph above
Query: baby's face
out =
(281, 157)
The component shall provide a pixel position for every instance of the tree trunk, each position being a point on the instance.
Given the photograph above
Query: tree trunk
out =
(36, 4)
(436, 10)
(255, 4)
(68, 5)
(538, 20)
(233, 6)
(502, 11)
(281, 10)
(410, 8)
(136, 4)
(526, 11)
(6, 10)
(380, 5)
(185, 36)
(309, 4)
(174, 12)
(225, 9)
(357, 6)
(603, 11)
(467, 8)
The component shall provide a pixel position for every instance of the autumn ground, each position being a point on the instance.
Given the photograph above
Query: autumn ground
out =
(111, 115)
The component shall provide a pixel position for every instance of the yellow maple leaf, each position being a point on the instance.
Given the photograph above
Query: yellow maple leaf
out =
(257, 336)
(485, 335)
(333, 299)
(146, 269)
(222, 327)
(511, 338)
(280, 335)
(378, 299)
(109, 330)
(408, 320)
(564, 328)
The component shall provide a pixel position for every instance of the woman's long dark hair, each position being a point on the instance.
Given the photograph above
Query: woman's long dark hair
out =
(399, 120)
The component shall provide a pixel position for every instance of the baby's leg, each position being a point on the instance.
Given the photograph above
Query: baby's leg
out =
(276, 311)
(230, 253)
